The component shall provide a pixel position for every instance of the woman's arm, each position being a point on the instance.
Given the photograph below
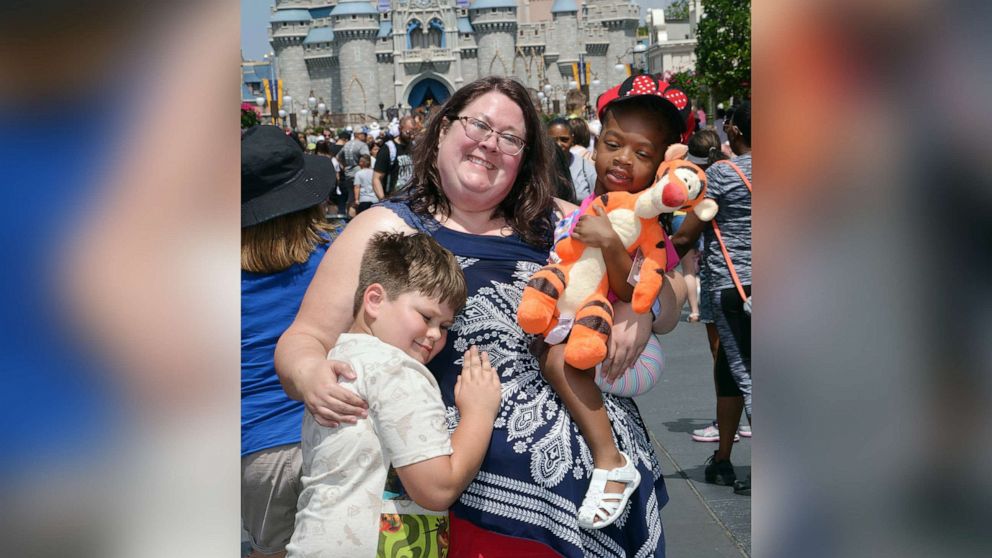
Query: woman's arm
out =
(688, 234)
(326, 311)
(672, 298)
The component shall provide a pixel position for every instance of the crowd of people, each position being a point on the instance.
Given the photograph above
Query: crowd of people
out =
(386, 379)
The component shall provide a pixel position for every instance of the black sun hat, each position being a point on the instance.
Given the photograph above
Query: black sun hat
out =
(278, 178)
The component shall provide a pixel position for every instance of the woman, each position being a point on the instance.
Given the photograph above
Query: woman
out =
(703, 150)
(482, 189)
(582, 145)
(283, 237)
(581, 170)
(729, 184)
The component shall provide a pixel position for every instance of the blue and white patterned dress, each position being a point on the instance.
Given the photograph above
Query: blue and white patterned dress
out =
(537, 469)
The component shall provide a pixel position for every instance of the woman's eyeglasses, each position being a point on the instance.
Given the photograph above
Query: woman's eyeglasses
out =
(479, 131)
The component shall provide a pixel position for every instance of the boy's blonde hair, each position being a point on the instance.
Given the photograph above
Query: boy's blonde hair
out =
(411, 263)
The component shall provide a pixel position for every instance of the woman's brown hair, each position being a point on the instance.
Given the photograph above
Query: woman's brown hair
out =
(528, 207)
(275, 245)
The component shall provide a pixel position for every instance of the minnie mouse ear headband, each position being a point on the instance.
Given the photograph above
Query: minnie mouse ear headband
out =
(277, 177)
(672, 99)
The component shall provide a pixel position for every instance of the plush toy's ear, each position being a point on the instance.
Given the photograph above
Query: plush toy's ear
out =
(706, 209)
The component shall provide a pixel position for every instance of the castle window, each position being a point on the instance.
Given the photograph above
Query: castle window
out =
(435, 33)
(415, 36)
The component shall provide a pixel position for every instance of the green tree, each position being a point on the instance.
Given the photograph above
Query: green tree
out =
(723, 47)
(687, 81)
(677, 11)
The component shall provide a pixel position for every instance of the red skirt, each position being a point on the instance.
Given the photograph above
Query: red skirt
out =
(469, 541)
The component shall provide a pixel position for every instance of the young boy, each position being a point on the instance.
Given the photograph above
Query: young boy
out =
(364, 194)
(641, 118)
(408, 293)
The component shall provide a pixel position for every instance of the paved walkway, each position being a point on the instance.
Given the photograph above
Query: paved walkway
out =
(701, 520)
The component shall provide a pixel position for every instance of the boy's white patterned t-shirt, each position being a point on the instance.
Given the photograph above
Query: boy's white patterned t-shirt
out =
(344, 468)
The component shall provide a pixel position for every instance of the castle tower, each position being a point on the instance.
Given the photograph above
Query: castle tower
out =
(565, 41)
(356, 27)
(495, 24)
(288, 29)
(618, 19)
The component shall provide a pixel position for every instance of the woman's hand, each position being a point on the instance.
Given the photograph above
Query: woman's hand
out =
(629, 336)
(597, 231)
(330, 403)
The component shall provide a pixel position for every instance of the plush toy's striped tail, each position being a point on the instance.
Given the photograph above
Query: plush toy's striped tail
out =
(540, 299)
(586, 345)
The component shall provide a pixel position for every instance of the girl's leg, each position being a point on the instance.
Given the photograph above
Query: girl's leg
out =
(584, 401)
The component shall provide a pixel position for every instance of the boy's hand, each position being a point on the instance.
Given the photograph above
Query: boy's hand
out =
(597, 231)
(477, 389)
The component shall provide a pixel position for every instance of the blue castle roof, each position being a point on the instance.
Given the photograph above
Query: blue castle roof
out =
(464, 25)
(321, 12)
(564, 6)
(319, 35)
(284, 16)
(385, 29)
(354, 7)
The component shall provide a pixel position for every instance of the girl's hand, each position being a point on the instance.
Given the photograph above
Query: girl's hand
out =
(597, 231)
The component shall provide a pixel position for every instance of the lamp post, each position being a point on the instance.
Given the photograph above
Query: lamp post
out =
(287, 101)
(553, 94)
(312, 108)
(260, 101)
(639, 48)
(558, 97)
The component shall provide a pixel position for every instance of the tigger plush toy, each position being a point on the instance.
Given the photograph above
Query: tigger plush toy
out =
(575, 289)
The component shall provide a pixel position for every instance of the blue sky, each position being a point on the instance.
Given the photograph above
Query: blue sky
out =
(255, 21)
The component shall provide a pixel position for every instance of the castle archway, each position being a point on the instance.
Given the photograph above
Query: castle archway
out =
(428, 91)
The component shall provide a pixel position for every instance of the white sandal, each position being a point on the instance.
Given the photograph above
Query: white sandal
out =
(600, 508)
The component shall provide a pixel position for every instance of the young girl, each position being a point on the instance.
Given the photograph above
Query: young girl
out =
(640, 120)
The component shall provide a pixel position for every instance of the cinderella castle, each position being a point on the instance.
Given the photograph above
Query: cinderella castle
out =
(358, 57)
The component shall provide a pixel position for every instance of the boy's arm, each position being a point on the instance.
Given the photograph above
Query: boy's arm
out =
(436, 483)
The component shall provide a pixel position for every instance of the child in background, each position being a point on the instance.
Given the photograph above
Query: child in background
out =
(408, 293)
(641, 118)
(364, 194)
